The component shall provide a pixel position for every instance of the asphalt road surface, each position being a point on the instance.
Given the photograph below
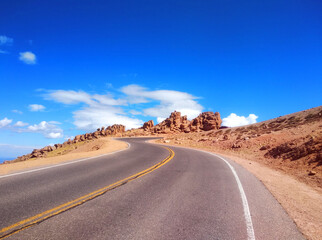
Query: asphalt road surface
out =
(191, 195)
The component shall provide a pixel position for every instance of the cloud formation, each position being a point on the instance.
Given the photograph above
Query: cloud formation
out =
(169, 101)
(36, 107)
(75, 97)
(27, 57)
(17, 111)
(5, 122)
(233, 120)
(103, 110)
(98, 110)
(20, 124)
(47, 129)
(4, 40)
(93, 117)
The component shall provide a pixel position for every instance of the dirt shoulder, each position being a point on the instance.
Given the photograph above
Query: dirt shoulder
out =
(93, 148)
(302, 202)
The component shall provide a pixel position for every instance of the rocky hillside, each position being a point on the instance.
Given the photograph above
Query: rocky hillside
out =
(174, 124)
(292, 143)
(69, 145)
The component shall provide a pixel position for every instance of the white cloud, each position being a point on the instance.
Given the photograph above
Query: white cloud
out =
(91, 118)
(46, 129)
(16, 111)
(5, 122)
(4, 40)
(36, 107)
(103, 110)
(108, 100)
(160, 119)
(233, 120)
(54, 135)
(3, 52)
(28, 57)
(69, 97)
(75, 97)
(20, 124)
(54, 122)
(169, 101)
(134, 112)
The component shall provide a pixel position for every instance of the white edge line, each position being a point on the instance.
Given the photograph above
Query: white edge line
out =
(248, 218)
(66, 163)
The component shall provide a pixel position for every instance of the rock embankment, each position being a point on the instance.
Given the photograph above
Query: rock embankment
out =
(114, 130)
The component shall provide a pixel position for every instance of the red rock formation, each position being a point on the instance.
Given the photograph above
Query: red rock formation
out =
(148, 125)
(206, 121)
(176, 123)
(115, 129)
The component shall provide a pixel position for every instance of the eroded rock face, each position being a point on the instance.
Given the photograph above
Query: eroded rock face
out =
(148, 125)
(206, 121)
(115, 129)
(176, 123)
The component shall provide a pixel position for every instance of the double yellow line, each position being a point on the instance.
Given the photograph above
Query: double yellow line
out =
(19, 226)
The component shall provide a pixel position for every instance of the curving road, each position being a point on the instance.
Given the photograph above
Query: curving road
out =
(186, 195)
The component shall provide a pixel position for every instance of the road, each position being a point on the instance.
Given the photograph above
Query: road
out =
(183, 194)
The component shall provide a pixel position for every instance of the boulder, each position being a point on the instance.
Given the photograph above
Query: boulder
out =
(207, 121)
(77, 138)
(173, 124)
(148, 125)
(47, 149)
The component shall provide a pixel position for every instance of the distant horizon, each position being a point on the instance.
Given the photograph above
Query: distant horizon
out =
(3, 159)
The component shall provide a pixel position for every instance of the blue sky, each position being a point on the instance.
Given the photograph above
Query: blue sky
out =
(68, 67)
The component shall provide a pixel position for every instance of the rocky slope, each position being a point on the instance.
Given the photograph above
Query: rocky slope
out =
(291, 144)
(174, 124)
(69, 145)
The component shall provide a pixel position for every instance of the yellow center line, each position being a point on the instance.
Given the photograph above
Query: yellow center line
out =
(19, 226)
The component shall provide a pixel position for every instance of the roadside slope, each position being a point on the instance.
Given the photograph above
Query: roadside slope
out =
(90, 149)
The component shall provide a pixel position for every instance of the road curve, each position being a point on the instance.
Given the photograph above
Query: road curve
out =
(194, 196)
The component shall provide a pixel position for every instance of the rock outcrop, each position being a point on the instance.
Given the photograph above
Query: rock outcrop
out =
(176, 123)
(172, 124)
(114, 130)
(148, 125)
(206, 121)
